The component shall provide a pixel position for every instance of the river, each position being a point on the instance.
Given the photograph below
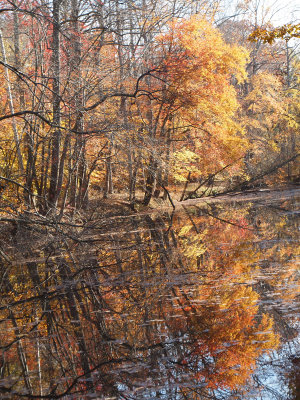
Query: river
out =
(197, 303)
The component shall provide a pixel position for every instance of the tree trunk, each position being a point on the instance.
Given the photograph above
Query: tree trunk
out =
(55, 145)
(11, 106)
(150, 181)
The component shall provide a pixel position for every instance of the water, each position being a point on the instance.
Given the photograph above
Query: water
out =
(201, 303)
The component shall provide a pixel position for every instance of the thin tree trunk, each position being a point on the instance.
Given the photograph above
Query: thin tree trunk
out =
(150, 181)
(79, 183)
(55, 145)
(108, 177)
(11, 106)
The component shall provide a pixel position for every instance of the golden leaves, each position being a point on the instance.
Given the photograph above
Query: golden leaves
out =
(286, 32)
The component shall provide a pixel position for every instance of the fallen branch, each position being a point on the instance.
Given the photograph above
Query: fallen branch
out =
(211, 176)
(245, 185)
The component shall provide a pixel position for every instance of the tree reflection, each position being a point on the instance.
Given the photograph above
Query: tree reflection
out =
(146, 307)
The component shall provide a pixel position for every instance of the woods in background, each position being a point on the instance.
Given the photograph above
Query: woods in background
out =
(138, 96)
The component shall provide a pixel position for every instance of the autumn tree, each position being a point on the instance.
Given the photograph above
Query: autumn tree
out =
(193, 97)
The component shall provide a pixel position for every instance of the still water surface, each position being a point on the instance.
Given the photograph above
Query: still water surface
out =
(202, 303)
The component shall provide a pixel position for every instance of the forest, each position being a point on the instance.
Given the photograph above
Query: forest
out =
(149, 185)
(138, 98)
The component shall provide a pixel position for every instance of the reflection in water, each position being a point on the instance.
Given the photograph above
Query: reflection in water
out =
(203, 304)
